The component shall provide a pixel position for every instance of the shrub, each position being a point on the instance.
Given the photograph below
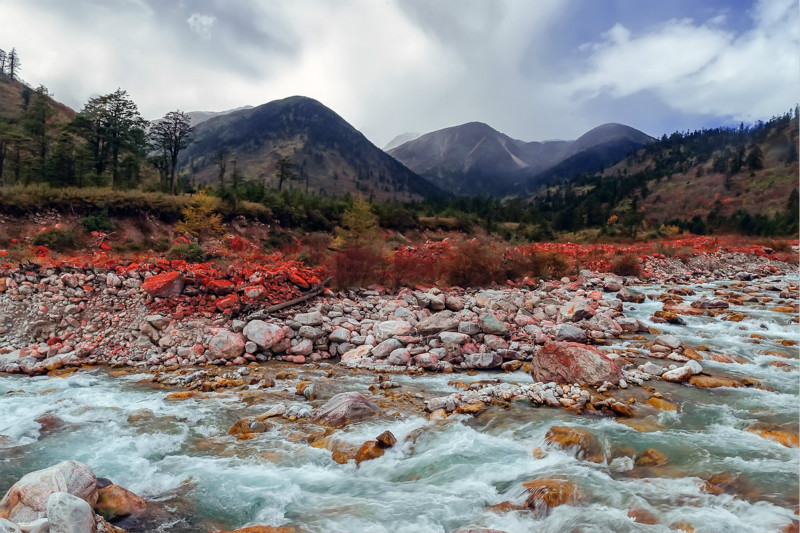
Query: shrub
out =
(358, 266)
(626, 265)
(57, 239)
(474, 262)
(192, 252)
(98, 221)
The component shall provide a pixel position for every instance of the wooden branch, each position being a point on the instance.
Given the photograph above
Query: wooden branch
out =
(315, 291)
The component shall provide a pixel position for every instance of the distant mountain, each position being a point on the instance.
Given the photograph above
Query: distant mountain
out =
(330, 156)
(400, 139)
(198, 117)
(474, 158)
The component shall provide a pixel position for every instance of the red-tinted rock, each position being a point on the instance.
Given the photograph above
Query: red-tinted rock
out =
(226, 345)
(570, 362)
(221, 287)
(255, 292)
(226, 302)
(167, 285)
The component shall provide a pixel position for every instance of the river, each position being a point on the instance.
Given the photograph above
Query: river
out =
(442, 475)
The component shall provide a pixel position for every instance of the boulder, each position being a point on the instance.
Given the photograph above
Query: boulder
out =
(27, 498)
(426, 360)
(391, 328)
(345, 408)
(383, 349)
(356, 354)
(490, 324)
(263, 334)
(67, 513)
(114, 501)
(399, 357)
(438, 322)
(226, 345)
(569, 362)
(166, 285)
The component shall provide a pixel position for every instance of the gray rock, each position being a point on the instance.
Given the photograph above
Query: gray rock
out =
(468, 328)
(482, 360)
(391, 328)
(626, 294)
(677, 375)
(345, 408)
(570, 333)
(263, 334)
(490, 324)
(69, 514)
(310, 332)
(159, 322)
(7, 526)
(577, 309)
(652, 369)
(438, 322)
(314, 318)
(339, 335)
(451, 337)
(668, 341)
(399, 357)
(694, 366)
(226, 345)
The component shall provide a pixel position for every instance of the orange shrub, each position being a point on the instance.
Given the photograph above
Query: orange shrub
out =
(626, 265)
(473, 262)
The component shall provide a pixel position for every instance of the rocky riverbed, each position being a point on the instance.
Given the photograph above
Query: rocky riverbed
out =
(394, 368)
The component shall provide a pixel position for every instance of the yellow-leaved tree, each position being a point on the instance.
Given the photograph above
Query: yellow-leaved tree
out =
(200, 217)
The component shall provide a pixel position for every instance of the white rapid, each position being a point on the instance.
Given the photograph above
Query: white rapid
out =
(442, 475)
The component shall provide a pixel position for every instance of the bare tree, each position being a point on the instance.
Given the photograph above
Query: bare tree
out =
(2, 61)
(170, 135)
(221, 159)
(285, 171)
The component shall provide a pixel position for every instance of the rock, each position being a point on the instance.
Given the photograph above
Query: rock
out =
(226, 345)
(786, 438)
(661, 404)
(159, 322)
(454, 303)
(569, 362)
(114, 501)
(652, 369)
(167, 285)
(641, 516)
(704, 303)
(345, 408)
(626, 294)
(468, 328)
(576, 310)
(694, 366)
(304, 347)
(368, 451)
(622, 409)
(28, 497)
(438, 322)
(712, 382)
(494, 343)
(263, 334)
(667, 341)
(391, 328)
(451, 337)
(482, 361)
(548, 493)
(383, 349)
(314, 318)
(386, 439)
(490, 324)
(427, 360)
(651, 457)
(570, 333)
(339, 335)
(677, 375)
(356, 354)
(399, 357)
(6, 526)
(221, 287)
(67, 513)
(578, 440)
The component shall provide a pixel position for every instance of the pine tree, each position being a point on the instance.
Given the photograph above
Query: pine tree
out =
(14, 64)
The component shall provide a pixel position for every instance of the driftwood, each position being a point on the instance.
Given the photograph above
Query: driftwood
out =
(315, 291)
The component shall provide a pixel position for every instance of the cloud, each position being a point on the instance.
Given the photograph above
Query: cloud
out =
(202, 25)
(700, 67)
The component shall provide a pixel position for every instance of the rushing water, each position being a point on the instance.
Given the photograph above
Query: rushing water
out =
(447, 474)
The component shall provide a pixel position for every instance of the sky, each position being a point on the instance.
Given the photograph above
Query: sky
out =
(535, 70)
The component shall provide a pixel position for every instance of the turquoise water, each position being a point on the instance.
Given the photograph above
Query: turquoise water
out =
(447, 474)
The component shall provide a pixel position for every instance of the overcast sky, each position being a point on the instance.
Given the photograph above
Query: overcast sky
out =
(534, 69)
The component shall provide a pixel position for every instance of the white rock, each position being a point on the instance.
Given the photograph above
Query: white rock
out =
(7, 526)
(677, 375)
(694, 366)
(69, 514)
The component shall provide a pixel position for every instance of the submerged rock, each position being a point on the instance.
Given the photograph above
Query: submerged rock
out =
(114, 501)
(548, 493)
(578, 440)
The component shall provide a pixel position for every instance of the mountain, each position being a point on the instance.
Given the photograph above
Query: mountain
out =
(198, 117)
(474, 158)
(330, 156)
(712, 180)
(400, 139)
(14, 95)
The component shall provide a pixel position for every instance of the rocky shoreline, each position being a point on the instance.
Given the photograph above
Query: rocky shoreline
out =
(57, 319)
